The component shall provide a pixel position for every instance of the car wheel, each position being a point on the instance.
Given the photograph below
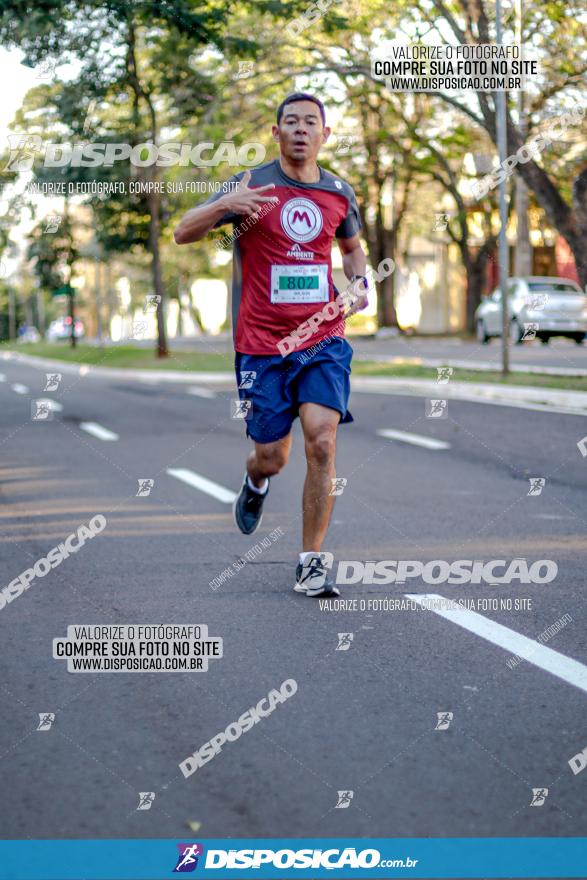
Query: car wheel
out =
(580, 338)
(545, 340)
(481, 332)
(516, 332)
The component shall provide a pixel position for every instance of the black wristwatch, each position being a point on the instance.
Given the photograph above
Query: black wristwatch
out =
(364, 279)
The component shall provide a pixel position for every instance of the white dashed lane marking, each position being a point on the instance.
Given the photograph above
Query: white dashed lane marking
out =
(202, 392)
(98, 431)
(203, 484)
(414, 439)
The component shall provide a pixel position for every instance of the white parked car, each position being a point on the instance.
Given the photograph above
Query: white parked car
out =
(540, 307)
(61, 329)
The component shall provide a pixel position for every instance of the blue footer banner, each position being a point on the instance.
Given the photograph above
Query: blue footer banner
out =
(273, 858)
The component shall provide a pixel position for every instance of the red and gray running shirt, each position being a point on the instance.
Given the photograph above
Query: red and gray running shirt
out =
(282, 271)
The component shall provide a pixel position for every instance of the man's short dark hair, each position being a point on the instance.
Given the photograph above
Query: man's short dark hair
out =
(300, 96)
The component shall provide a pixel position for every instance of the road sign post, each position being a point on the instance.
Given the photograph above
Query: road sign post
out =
(501, 123)
(69, 291)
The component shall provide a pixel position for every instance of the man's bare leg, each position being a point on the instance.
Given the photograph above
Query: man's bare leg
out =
(267, 459)
(264, 461)
(319, 424)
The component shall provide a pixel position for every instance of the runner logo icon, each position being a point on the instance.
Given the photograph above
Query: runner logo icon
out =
(301, 219)
(187, 859)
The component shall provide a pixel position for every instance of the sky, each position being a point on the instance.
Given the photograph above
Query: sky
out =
(21, 79)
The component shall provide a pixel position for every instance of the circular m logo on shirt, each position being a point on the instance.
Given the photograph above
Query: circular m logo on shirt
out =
(301, 219)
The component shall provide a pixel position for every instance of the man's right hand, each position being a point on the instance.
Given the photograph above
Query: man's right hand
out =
(246, 201)
(242, 201)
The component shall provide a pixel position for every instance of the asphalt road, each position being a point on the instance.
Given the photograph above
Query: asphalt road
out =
(363, 719)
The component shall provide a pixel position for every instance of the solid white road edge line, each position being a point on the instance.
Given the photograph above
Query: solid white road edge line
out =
(562, 667)
(414, 439)
(204, 485)
(98, 431)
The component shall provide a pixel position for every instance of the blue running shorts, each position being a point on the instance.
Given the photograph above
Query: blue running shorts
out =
(276, 386)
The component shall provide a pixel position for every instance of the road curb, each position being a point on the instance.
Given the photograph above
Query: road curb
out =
(85, 370)
(522, 396)
(474, 366)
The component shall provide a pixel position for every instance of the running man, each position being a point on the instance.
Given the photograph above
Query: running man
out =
(291, 355)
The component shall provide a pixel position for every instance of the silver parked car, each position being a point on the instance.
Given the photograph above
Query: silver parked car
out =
(540, 307)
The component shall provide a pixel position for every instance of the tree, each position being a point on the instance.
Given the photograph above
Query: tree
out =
(436, 154)
(129, 51)
(553, 26)
(384, 171)
(54, 255)
(550, 28)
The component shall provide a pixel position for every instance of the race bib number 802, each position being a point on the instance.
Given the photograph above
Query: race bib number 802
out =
(299, 284)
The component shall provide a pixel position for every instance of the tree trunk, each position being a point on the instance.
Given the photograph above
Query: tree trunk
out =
(523, 254)
(11, 313)
(385, 248)
(154, 200)
(70, 299)
(28, 311)
(523, 251)
(98, 302)
(109, 301)
(41, 313)
(580, 204)
(475, 285)
(386, 295)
